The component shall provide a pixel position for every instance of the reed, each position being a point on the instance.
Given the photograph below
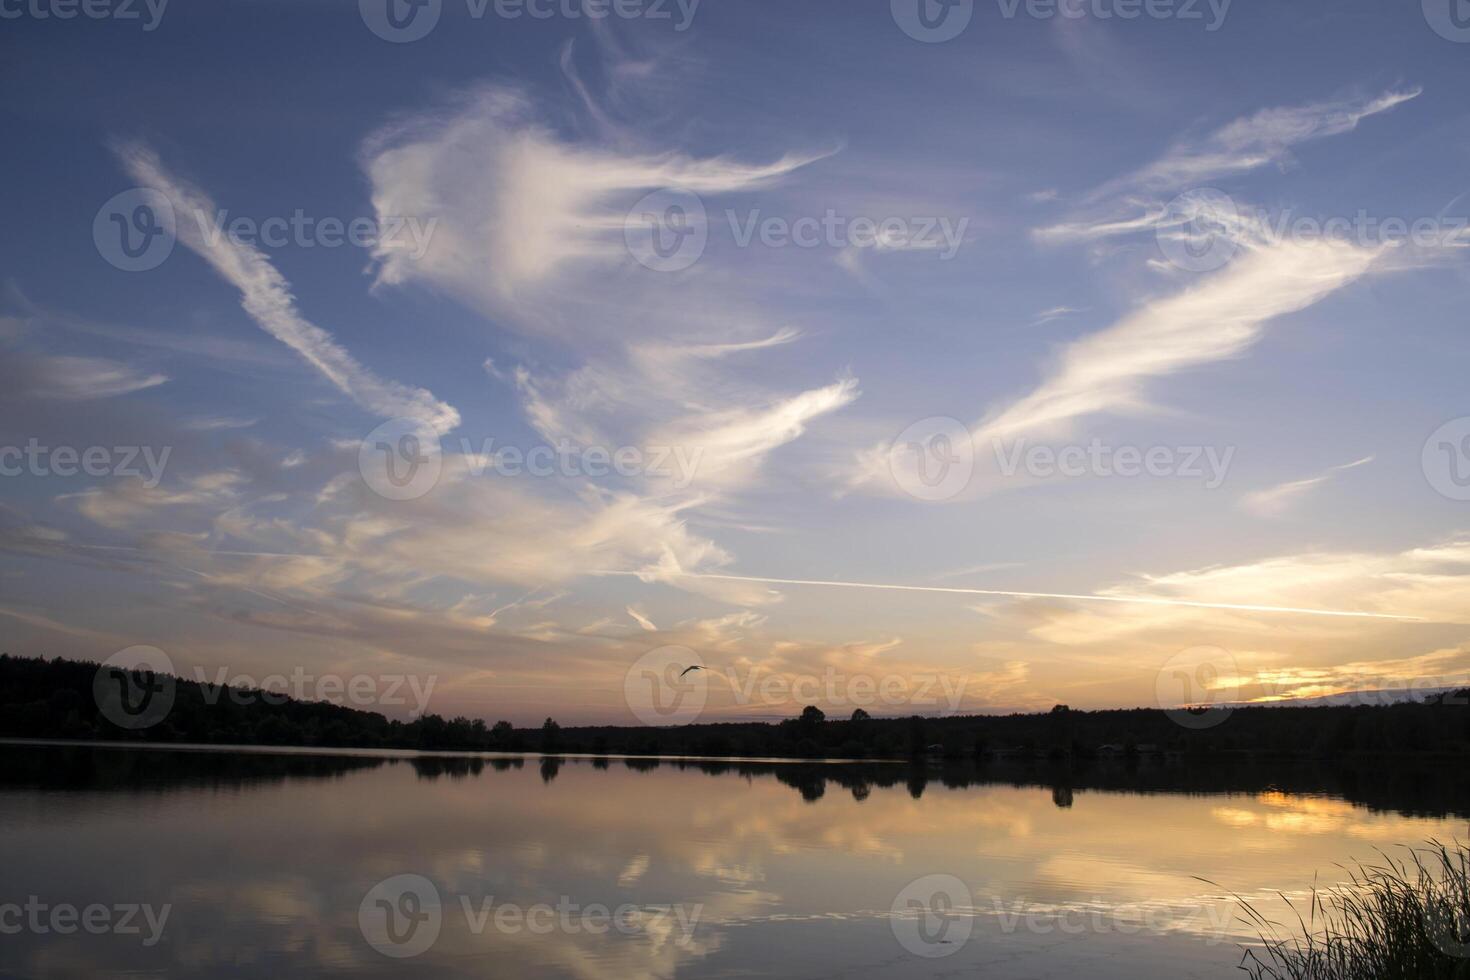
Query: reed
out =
(1404, 918)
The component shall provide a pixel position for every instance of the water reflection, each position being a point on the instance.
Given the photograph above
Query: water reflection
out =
(721, 867)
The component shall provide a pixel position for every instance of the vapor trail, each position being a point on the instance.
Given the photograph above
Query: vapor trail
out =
(1142, 600)
(1002, 593)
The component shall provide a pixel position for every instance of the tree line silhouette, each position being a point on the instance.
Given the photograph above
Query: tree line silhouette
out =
(42, 698)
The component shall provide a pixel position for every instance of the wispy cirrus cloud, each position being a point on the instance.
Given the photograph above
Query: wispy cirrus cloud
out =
(267, 298)
(338, 547)
(731, 443)
(641, 618)
(71, 378)
(530, 227)
(1219, 318)
(545, 216)
(1055, 313)
(1431, 585)
(1251, 142)
(29, 370)
(1136, 202)
(547, 211)
(1275, 501)
(218, 423)
(1448, 667)
(1108, 372)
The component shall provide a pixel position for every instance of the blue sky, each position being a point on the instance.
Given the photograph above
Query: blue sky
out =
(1061, 234)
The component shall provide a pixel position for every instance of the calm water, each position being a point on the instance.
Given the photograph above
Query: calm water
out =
(245, 863)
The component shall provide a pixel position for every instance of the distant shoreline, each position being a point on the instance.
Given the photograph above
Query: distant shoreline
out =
(1001, 759)
(80, 701)
(397, 753)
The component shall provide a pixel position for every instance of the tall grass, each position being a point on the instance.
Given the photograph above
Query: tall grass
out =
(1402, 919)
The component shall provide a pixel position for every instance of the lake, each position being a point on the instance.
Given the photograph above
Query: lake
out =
(145, 861)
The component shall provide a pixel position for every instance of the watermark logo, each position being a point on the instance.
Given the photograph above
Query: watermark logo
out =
(149, 12)
(1450, 19)
(933, 459)
(834, 688)
(1195, 233)
(35, 459)
(364, 691)
(924, 917)
(934, 916)
(1100, 917)
(667, 231)
(406, 234)
(400, 21)
(1181, 10)
(1446, 459)
(135, 688)
(1201, 230)
(43, 918)
(666, 686)
(135, 230)
(679, 464)
(1189, 690)
(401, 916)
(938, 234)
(401, 459)
(1207, 464)
(932, 21)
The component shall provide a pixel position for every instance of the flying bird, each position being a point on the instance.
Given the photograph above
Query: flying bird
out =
(688, 669)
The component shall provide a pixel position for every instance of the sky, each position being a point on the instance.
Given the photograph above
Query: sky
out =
(972, 357)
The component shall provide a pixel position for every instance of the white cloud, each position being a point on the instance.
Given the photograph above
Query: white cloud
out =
(1428, 584)
(346, 563)
(1252, 142)
(727, 446)
(267, 297)
(518, 208)
(1055, 313)
(217, 423)
(1275, 501)
(1448, 667)
(642, 619)
(1220, 317)
(530, 227)
(85, 378)
(1149, 216)
(1135, 202)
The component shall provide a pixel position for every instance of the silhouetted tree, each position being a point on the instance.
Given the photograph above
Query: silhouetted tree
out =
(810, 721)
(1059, 731)
(550, 736)
(917, 741)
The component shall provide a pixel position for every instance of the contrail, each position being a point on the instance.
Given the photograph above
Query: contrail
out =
(1002, 593)
(1088, 597)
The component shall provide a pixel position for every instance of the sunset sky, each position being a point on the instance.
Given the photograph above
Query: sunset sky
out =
(1230, 248)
